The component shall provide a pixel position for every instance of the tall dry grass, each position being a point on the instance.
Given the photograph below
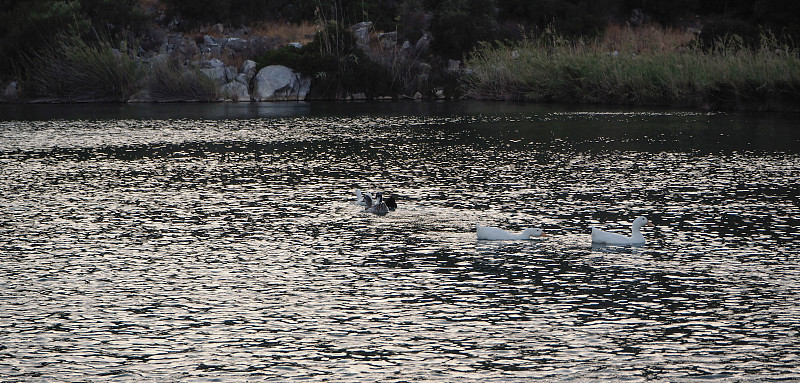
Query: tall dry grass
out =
(282, 31)
(639, 66)
(74, 70)
(287, 32)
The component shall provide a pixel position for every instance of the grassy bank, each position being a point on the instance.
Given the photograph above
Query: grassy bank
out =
(645, 66)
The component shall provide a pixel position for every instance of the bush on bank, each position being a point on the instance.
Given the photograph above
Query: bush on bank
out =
(73, 70)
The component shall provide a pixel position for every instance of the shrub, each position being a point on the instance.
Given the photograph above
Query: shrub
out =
(170, 81)
(74, 70)
(27, 28)
(458, 25)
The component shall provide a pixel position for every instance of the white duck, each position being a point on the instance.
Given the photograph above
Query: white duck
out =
(360, 198)
(606, 238)
(496, 234)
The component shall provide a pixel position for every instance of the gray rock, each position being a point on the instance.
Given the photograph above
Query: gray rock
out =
(405, 49)
(423, 44)
(208, 40)
(213, 63)
(216, 74)
(388, 35)
(388, 39)
(453, 65)
(304, 86)
(249, 67)
(215, 50)
(242, 78)
(277, 82)
(12, 90)
(249, 70)
(361, 31)
(231, 73)
(180, 45)
(236, 44)
(235, 91)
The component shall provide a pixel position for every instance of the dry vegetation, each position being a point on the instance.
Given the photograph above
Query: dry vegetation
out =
(645, 66)
(302, 33)
(645, 39)
(281, 31)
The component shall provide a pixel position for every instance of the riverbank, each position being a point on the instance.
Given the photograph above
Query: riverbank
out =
(644, 66)
(639, 67)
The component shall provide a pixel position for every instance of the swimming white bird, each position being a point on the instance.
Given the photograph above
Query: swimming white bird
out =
(379, 207)
(360, 198)
(606, 238)
(493, 233)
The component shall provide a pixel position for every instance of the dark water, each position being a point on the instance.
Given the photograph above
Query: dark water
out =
(220, 243)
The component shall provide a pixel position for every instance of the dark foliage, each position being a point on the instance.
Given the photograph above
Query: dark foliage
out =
(28, 27)
(718, 30)
(568, 17)
(458, 25)
(414, 18)
(338, 67)
(242, 12)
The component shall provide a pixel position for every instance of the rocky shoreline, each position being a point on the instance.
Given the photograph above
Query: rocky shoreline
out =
(214, 59)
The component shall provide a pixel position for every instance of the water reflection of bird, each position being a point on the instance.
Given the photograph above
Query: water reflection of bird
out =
(636, 238)
(377, 207)
(493, 233)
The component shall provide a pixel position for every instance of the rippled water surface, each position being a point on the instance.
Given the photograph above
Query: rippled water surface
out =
(220, 243)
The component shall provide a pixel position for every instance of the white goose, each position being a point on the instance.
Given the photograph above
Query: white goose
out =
(606, 238)
(496, 234)
(360, 198)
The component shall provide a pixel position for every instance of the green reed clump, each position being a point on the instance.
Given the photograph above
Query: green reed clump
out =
(74, 70)
(169, 81)
(550, 68)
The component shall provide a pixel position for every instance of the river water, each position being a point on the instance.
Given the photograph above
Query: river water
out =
(220, 242)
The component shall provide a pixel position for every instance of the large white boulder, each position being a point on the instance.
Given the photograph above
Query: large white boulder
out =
(277, 82)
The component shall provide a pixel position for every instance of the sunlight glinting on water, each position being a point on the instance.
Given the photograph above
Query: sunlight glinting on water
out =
(231, 249)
